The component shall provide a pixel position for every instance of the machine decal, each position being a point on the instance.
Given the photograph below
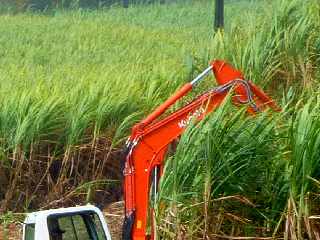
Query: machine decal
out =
(185, 122)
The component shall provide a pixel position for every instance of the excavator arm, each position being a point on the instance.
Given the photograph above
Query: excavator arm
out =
(149, 140)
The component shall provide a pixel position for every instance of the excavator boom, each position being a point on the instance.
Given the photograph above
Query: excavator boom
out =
(149, 140)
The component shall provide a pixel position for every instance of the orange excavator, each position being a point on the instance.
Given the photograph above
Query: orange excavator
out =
(149, 141)
(143, 165)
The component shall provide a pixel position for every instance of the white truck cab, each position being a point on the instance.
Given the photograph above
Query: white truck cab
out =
(74, 223)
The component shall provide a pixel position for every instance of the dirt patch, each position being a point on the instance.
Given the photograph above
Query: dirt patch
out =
(11, 232)
(114, 215)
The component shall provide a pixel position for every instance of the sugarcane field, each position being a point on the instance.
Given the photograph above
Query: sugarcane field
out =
(159, 119)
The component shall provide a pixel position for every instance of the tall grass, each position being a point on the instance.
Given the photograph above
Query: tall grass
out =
(69, 81)
(303, 170)
(72, 84)
(242, 176)
(221, 178)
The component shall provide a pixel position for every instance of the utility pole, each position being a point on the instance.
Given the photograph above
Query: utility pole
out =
(125, 3)
(219, 15)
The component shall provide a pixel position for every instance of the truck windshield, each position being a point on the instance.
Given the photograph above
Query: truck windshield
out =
(29, 232)
(79, 226)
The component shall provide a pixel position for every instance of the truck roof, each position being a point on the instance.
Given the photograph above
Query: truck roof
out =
(31, 217)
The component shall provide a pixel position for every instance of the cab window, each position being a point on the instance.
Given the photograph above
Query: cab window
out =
(80, 226)
(29, 232)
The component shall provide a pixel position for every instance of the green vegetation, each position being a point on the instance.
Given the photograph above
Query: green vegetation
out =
(73, 83)
(236, 175)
